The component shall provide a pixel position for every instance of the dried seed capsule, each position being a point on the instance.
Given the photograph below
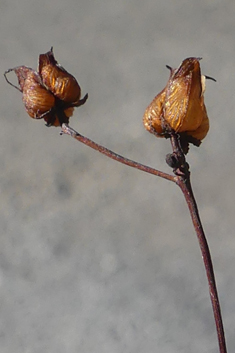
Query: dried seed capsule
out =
(180, 105)
(62, 84)
(52, 93)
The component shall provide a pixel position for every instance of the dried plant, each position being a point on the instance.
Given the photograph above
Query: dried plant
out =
(178, 112)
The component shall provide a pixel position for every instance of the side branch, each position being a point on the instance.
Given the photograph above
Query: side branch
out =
(66, 129)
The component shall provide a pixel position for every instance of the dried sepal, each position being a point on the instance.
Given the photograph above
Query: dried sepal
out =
(180, 105)
(183, 109)
(38, 101)
(201, 132)
(153, 117)
(57, 80)
(51, 94)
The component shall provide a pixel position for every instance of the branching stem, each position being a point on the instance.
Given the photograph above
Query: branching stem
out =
(182, 179)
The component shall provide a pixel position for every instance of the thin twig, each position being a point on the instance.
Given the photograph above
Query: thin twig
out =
(66, 129)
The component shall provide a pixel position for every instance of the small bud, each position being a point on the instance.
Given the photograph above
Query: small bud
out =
(172, 160)
(180, 105)
(52, 93)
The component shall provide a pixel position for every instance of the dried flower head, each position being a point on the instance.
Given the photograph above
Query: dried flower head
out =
(51, 93)
(180, 107)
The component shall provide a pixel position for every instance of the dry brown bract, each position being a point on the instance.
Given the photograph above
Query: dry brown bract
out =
(51, 93)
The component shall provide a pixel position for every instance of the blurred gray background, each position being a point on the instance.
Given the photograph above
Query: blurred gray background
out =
(97, 257)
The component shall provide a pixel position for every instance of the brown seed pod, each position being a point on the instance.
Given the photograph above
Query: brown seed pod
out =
(52, 93)
(57, 80)
(181, 103)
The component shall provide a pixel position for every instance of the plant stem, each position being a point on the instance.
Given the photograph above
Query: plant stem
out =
(66, 129)
(182, 179)
(189, 197)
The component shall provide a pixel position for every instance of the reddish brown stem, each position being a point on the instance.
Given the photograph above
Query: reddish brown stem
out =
(189, 197)
(66, 129)
(183, 181)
